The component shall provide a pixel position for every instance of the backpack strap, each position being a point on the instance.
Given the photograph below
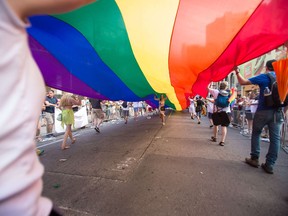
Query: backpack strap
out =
(216, 108)
(272, 79)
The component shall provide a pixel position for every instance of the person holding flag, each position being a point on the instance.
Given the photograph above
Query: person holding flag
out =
(265, 115)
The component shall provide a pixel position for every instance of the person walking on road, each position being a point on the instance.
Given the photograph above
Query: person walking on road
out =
(50, 102)
(125, 109)
(66, 103)
(161, 100)
(199, 108)
(215, 92)
(97, 113)
(192, 107)
(270, 116)
(210, 107)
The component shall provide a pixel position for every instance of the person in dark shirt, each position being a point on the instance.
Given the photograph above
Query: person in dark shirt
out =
(199, 108)
(97, 113)
(50, 102)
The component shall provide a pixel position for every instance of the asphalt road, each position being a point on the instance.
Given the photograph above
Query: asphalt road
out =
(144, 168)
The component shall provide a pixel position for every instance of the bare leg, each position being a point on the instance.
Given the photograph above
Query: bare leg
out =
(211, 122)
(198, 117)
(224, 133)
(38, 131)
(49, 129)
(250, 123)
(162, 116)
(100, 121)
(215, 130)
(191, 115)
(67, 133)
(71, 135)
(95, 121)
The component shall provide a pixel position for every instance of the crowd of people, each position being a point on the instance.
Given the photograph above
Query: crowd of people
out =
(20, 169)
(241, 111)
(251, 109)
(98, 111)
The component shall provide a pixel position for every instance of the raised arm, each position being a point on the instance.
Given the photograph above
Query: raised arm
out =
(25, 8)
(210, 99)
(241, 80)
(209, 87)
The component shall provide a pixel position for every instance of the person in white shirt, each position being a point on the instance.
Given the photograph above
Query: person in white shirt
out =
(192, 107)
(210, 106)
(253, 104)
(20, 78)
(222, 88)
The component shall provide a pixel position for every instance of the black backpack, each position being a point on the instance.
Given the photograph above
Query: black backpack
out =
(273, 99)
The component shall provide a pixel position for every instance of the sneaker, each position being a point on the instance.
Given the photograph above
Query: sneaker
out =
(267, 168)
(265, 136)
(252, 162)
(97, 129)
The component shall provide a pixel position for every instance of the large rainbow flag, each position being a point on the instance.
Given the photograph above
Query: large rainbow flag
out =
(132, 49)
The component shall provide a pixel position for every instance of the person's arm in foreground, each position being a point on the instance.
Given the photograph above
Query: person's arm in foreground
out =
(20, 170)
(26, 8)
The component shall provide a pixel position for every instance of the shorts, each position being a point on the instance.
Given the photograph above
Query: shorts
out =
(98, 113)
(125, 113)
(49, 118)
(162, 110)
(221, 118)
(209, 115)
(192, 110)
(249, 115)
(199, 114)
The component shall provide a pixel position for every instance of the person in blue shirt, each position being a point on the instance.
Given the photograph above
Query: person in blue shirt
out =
(270, 116)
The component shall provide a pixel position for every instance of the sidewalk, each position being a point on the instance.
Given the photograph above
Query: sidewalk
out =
(144, 168)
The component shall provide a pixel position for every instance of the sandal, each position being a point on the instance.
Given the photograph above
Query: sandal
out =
(73, 141)
(213, 139)
(221, 143)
